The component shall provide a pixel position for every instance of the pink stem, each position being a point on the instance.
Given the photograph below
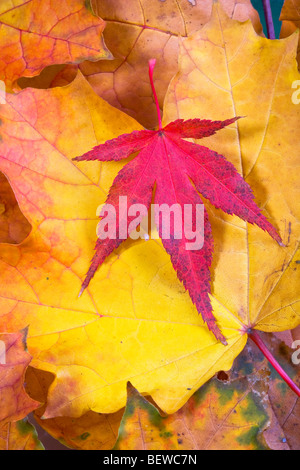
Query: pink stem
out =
(263, 348)
(152, 63)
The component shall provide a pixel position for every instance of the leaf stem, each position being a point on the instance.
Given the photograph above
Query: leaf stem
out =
(263, 348)
(269, 19)
(152, 63)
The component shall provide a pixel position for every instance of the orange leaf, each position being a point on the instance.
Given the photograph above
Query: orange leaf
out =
(15, 404)
(290, 17)
(19, 436)
(37, 33)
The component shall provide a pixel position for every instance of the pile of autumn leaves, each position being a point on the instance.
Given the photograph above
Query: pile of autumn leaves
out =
(136, 325)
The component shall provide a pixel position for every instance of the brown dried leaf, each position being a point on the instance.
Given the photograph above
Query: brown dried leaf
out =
(14, 227)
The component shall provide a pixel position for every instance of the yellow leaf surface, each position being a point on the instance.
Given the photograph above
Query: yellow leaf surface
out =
(134, 35)
(127, 325)
(226, 69)
(37, 33)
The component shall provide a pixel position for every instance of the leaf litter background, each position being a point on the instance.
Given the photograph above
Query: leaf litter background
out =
(67, 336)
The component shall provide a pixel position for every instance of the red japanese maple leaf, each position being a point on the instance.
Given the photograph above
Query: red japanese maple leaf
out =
(180, 169)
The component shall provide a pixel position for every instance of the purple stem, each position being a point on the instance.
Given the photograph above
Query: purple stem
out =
(269, 19)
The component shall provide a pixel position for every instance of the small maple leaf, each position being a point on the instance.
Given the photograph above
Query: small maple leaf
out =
(180, 169)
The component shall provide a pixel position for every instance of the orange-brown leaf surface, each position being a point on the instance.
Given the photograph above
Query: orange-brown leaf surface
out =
(148, 29)
(14, 227)
(278, 399)
(38, 33)
(15, 404)
(219, 416)
(91, 431)
(290, 17)
(285, 404)
(249, 408)
(20, 435)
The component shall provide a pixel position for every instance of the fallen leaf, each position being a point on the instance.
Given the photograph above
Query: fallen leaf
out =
(148, 29)
(290, 17)
(91, 431)
(161, 154)
(285, 404)
(14, 360)
(37, 33)
(279, 400)
(127, 309)
(249, 407)
(253, 278)
(220, 416)
(20, 435)
(14, 227)
(127, 327)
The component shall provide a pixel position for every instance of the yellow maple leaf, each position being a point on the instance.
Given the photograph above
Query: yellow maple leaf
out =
(220, 73)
